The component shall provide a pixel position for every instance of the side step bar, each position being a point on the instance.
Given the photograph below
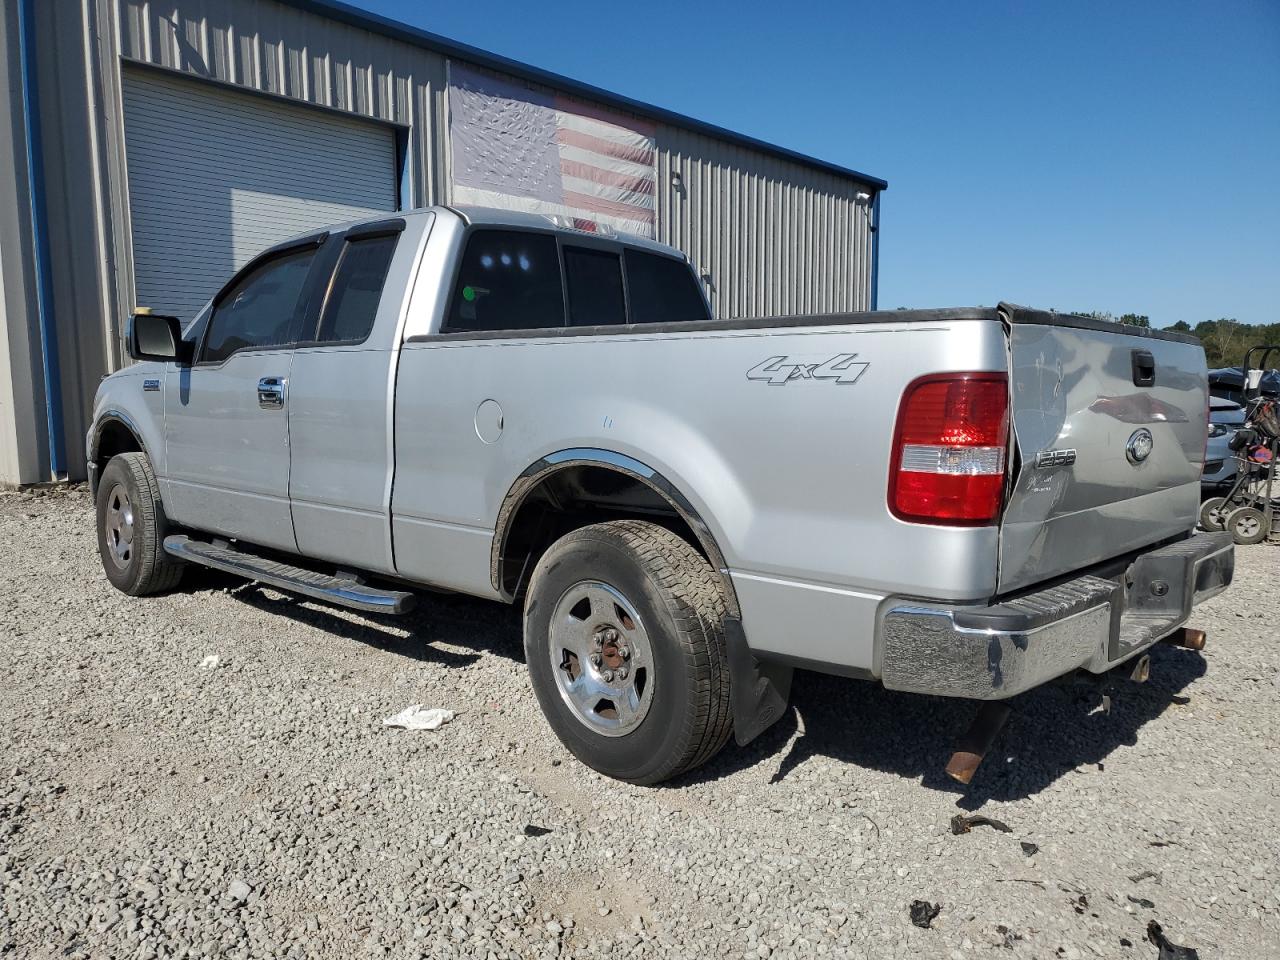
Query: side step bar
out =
(283, 576)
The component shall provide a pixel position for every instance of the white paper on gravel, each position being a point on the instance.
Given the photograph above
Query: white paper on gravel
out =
(418, 717)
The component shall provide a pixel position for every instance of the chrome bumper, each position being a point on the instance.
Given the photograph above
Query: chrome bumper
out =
(1092, 622)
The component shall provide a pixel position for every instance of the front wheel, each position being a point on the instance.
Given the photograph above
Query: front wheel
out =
(132, 527)
(624, 638)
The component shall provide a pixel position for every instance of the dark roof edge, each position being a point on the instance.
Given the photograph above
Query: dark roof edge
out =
(376, 23)
(1020, 314)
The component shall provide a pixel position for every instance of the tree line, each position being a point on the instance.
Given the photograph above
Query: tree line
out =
(1225, 339)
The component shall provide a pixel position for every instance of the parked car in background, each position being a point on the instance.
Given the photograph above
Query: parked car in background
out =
(1225, 418)
(1228, 383)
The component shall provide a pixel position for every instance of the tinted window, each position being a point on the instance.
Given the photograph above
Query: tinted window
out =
(662, 290)
(508, 281)
(260, 310)
(357, 288)
(595, 287)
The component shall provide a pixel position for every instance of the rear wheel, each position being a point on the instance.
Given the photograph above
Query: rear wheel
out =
(1248, 525)
(1213, 513)
(624, 637)
(132, 527)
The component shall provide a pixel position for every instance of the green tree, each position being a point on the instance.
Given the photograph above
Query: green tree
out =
(1132, 319)
(1225, 340)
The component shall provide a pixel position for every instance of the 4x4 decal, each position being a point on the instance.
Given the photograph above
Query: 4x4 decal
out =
(776, 371)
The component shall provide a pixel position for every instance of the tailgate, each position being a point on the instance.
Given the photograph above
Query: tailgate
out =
(1109, 427)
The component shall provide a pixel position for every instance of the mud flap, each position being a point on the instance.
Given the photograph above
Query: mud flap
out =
(758, 691)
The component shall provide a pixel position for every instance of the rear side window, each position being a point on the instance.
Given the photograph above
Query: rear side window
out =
(662, 290)
(262, 309)
(353, 299)
(509, 280)
(595, 287)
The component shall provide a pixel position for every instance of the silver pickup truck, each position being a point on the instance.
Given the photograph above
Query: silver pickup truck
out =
(965, 503)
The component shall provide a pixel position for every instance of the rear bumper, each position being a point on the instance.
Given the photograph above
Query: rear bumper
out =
(1091, 622)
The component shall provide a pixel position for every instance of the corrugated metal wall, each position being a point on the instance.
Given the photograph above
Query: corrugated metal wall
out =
(774, 235)
(23, 456)
(288, 52)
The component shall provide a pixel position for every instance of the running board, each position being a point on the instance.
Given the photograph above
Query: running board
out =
(283, 576)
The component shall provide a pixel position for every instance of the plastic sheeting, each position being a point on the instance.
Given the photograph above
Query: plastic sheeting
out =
(522, 148)
(419, 717)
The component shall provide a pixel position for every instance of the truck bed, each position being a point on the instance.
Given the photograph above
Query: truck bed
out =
(790, 472)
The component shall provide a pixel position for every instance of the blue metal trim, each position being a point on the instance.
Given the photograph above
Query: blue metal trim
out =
(355, 17)
(40, 241)
(875, 252)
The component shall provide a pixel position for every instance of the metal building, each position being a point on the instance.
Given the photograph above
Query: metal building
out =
(151, 147)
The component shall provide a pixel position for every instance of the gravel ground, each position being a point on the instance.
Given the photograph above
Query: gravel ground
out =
(154, 804)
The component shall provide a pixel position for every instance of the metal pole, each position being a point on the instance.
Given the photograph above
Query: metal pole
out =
(40, 240)
(875, 251)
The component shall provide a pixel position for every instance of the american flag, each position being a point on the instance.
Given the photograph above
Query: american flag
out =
(533, 150)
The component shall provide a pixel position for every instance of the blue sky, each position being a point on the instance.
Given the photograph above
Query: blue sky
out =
(1120, 156)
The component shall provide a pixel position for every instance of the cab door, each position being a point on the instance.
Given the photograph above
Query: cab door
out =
(227, 415)
(342, 399)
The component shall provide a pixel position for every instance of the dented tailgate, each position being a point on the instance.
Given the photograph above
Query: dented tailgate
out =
(1109, 426)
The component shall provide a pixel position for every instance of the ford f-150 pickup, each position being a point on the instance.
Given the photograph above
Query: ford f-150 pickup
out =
(962, 502)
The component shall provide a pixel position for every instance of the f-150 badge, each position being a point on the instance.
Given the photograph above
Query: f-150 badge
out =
(776, 371)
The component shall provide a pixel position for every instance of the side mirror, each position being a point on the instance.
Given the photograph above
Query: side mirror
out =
(153, 336)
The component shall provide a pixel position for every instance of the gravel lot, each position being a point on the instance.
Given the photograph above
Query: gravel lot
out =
(151, 806)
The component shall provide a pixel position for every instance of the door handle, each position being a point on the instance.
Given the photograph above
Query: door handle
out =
(271, 391)
(1144, 368)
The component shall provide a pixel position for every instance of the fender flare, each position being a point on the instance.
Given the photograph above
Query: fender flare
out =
(95, 437)
(561, 460)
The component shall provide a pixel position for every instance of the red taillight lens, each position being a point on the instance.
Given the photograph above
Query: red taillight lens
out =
(949, 449)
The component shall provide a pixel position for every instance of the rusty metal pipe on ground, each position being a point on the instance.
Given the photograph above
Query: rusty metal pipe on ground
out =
(977, 740)
(1140, 670)
(1188, 637)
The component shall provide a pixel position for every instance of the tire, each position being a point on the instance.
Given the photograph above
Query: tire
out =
(1213, 513)
(656, 702)
(132, 527)
(1248, 525)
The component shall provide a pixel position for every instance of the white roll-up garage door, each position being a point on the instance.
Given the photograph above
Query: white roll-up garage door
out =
(217, 176)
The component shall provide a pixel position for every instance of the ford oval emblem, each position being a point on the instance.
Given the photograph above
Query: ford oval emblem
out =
(1139, 446)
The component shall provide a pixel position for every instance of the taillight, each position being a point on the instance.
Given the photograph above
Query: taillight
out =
(949, 449)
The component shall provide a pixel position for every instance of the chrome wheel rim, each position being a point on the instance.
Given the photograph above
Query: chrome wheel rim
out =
(118, 524)
(601, 658)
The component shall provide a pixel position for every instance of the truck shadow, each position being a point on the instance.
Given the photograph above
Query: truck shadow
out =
(440, 621)
(1051, 732)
